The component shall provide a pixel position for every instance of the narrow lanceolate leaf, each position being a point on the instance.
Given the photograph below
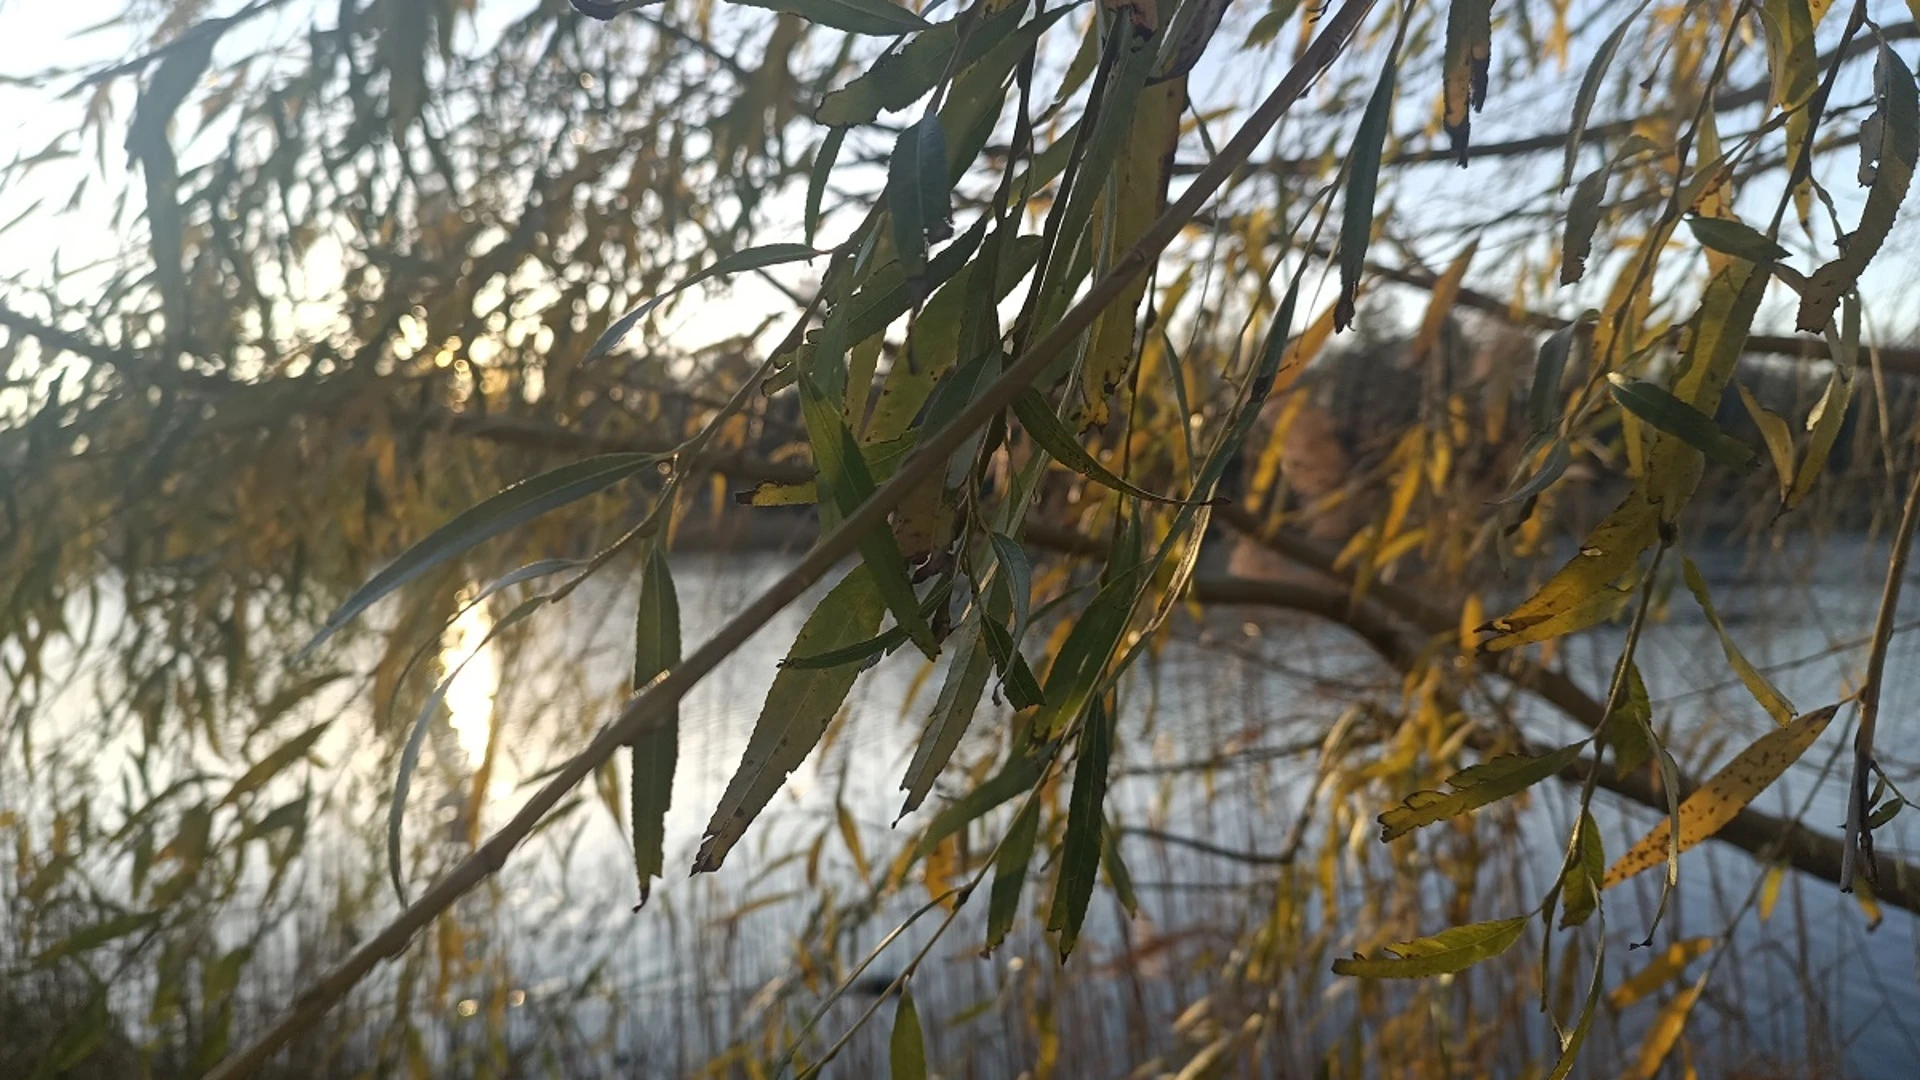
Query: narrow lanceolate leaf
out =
(1086, 820)
(1630, 725)
(1679, 419)
(919, 195)
(1490, 781)
(1571, 1042)
(843, 469)
(1010, 873)
(1543, 401)
(798, 708)
(1469, 49)
(417, 738)
(1580, 885)
(909, 73)
(1128, 205)
(1040, 422)
(907, 1049)
(1363, 180)
(755, 258)
(1444, 953)
(1083, 656)
(101, 933)
(1896, 126)
(656, 650)
(1665, 1031)
(823, 160)
(1735, 238)
(270, 766)
(1552, 466)
(1757, 684)
(1830, 412)
(1015, 778)
(1776, 434)
(965, 682)
(853, 16)
(1590, 90)
(1583, 217)
(1665, 968)
(1707, 811)
(1018, 575)
(509, 509)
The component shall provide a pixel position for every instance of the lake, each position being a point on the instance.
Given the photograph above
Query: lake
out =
(1229, 950)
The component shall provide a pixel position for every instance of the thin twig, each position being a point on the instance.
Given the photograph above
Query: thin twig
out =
(1859, 836)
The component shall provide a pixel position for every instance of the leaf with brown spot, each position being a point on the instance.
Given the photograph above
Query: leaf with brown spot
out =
(1739, 782)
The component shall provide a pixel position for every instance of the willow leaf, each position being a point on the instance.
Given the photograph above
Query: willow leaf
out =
(1898, 133)
(907, 1048)
(506, 510)
(918, 195)
(854, 16)
(1444, 953)
(1080, 850)
(1721, 798)
(1590, 90)
(1669, 414)
(1363, 180)
(1469, 50)
(1757, 684)
(1490, 781)
(1010, 873)
(755, 258)
(656, 650)
(799, 705)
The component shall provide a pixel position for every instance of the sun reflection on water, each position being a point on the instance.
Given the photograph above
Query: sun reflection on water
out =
(470, 697)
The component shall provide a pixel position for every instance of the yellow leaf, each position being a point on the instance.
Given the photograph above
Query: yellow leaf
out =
(1445, 291)
(1707, 811)
(1777, 435)
(1664, 969)
(1665, 1032)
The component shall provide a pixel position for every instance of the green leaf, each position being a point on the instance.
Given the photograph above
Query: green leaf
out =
(1583, 217)
(799, 706)
(919, 195)
(270, 766)
(818, 175)
(509, 509)
(1570, 1044)
(1117, 873)
(1580, 885)
(1896, 127)
(89, 938)
(1444, 953)
(1018, 775)
(1884, 814)
(417, 738)
(1018, 577)
(1086, 821)
(1023, 690)
(907, 1049)
(1679, 419)
(656, 650)
(909, 73)
(1735, 238)
(1757, 684)
(1010, 873)
(1040, 422)
(884, 642)
(843, 469)
(1552, 466)
(1721, 798)
(754, 258)
(1363, 180)
(854, 16)
(1590, 89)
(1083, 656)
(1630, 725)
(1490, 781)
(953, 711)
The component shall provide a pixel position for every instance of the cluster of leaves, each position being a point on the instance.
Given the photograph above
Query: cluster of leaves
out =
(509, 224)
